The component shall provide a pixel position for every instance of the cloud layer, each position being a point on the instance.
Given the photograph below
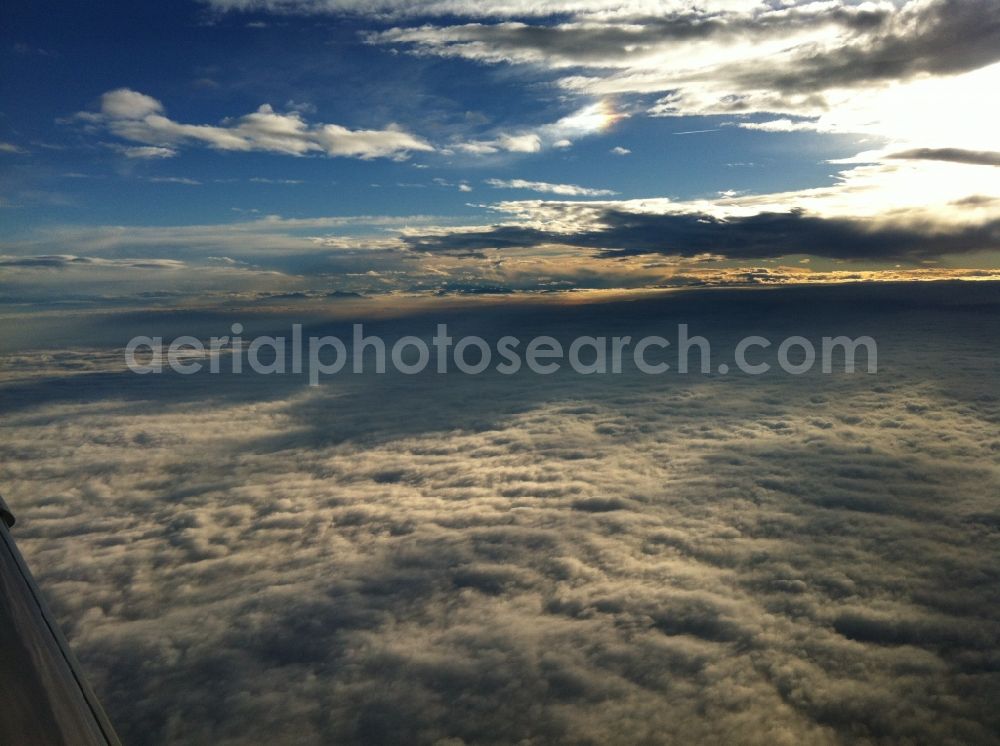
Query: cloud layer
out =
(616, 232)
(554, 560)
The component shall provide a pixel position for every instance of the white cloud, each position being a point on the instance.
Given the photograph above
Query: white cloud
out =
(124, 103)
(589, 120)
(570, 190)
(527, 143)
(476, 147)
(137, 117)
(619, 150)
(148, 151)
(776, 125)
(174, 180)
(266, 180)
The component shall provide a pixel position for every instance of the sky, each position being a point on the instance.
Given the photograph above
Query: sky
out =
(458, 560)
(221, 148)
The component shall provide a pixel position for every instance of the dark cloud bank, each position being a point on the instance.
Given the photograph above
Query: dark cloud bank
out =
(954, 155)
(761, 236)
(566, 560)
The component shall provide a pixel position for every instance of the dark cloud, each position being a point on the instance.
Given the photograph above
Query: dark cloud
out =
(761, 236)
(943, 37)
(62, 261)
(45, 260)
(952, 155)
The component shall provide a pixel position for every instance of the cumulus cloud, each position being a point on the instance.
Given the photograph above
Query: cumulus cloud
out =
(559, 559)
(140, 118)
(124, 103)
(527, 143)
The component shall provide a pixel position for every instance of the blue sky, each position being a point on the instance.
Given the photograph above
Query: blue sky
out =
(306, 143)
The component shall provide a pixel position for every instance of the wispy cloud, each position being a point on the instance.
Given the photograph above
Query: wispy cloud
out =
(174, 180)
(145, 151)
(63, 261)
(267, 180)
(587, 121)
(569, 190)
